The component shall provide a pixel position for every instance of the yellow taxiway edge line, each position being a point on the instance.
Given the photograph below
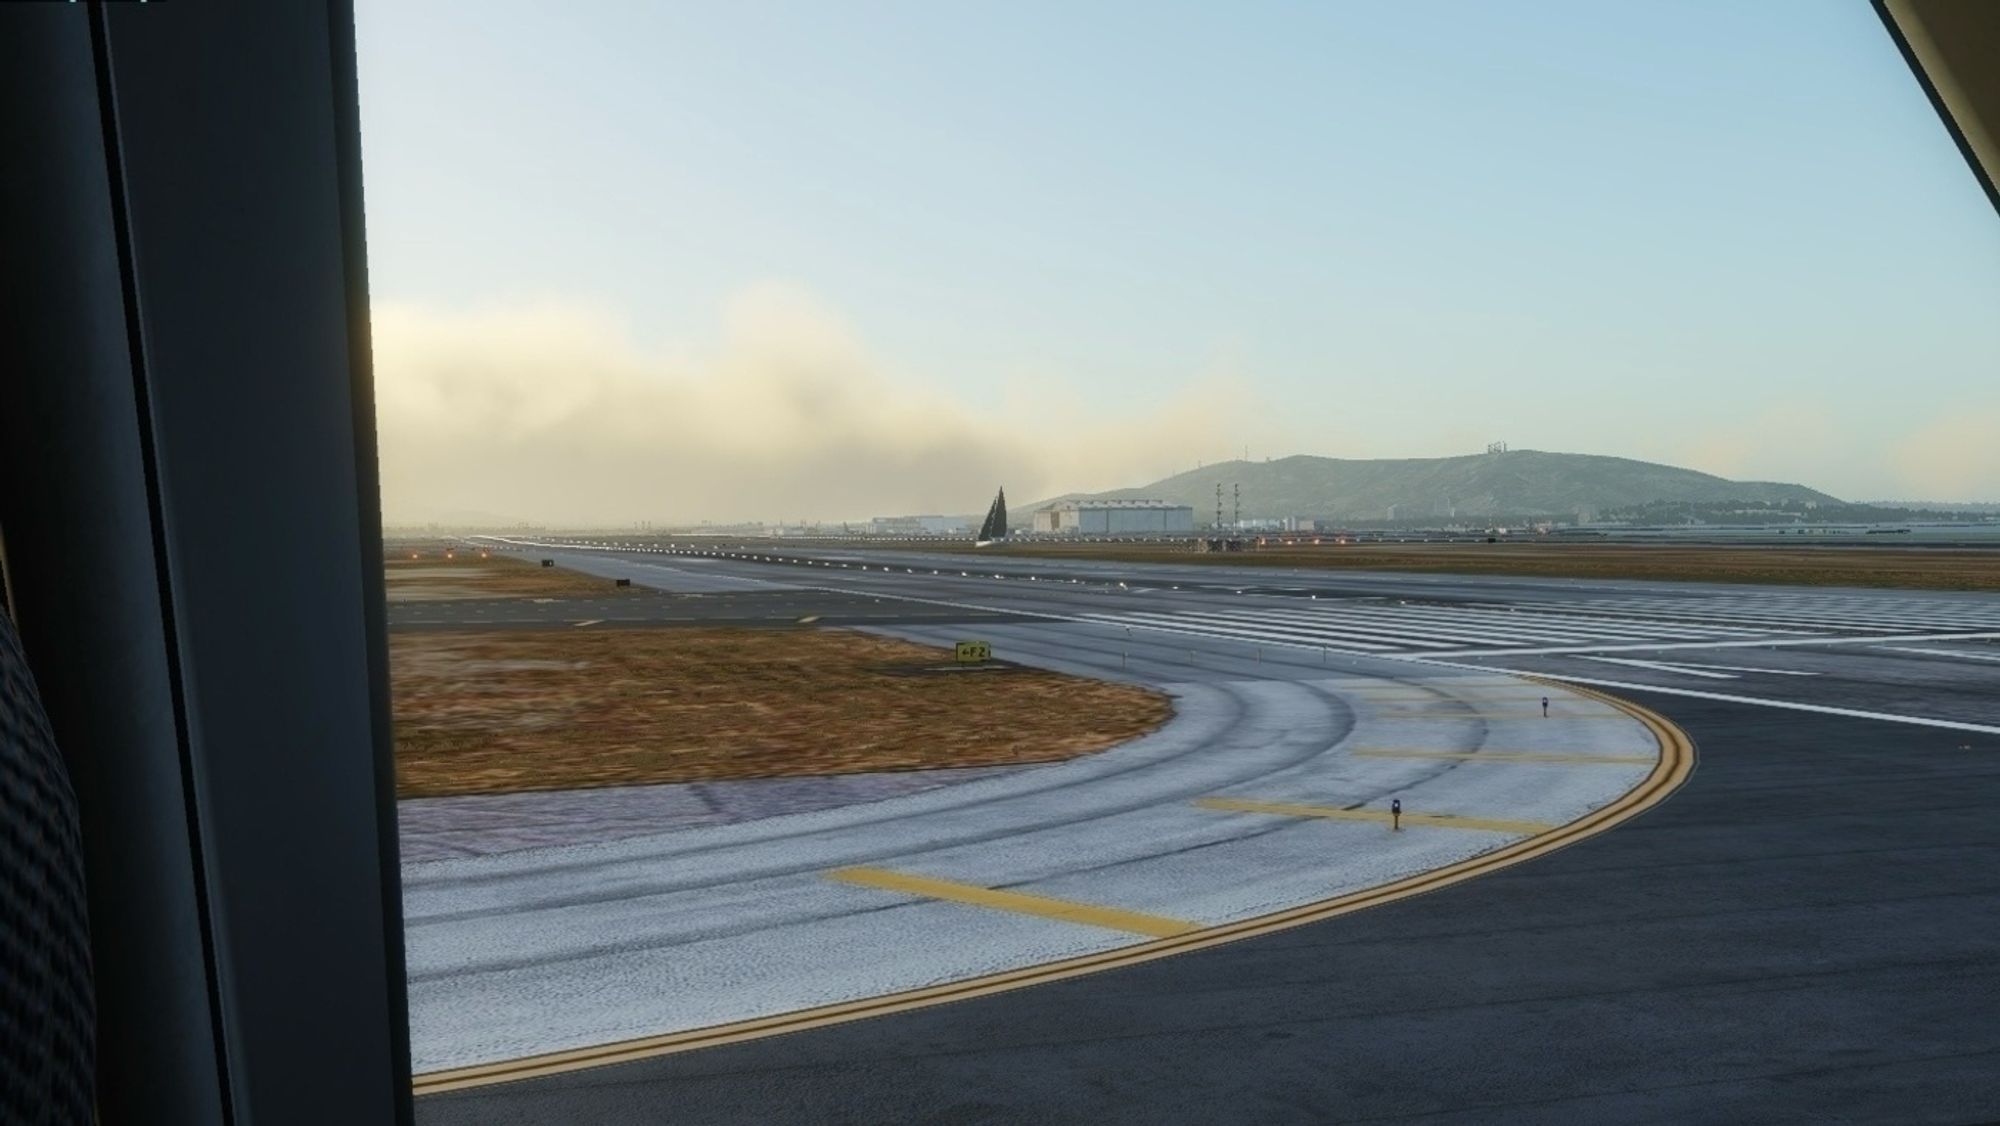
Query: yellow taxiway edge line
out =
(1111, 918)
(1333, 813)
(1676, 764)
(1509, 756)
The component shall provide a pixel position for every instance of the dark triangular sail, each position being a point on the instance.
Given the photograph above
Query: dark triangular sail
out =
(995, 527)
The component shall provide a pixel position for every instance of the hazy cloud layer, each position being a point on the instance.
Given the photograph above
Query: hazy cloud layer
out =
(1803, 444)
(1956, 455)
(550, 412)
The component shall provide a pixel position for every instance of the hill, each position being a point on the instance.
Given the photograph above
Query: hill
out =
(1512, 483)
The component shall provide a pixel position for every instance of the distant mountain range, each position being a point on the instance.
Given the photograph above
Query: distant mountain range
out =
(1512, 483)
(1973, 507)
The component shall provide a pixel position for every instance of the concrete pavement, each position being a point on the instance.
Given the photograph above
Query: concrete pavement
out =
(1828, 702)
(549, 949)
(1808, 932)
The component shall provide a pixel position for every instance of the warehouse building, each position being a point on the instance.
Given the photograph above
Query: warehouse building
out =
(919, 526)
(1114, 517)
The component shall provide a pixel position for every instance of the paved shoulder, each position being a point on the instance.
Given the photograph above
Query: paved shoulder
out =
(1808, 932)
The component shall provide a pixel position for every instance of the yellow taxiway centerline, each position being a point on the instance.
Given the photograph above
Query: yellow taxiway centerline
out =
(1111, 918)
(1510, 756)
(1332, 813)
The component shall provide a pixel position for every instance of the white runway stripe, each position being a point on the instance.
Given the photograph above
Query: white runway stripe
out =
(1854, 619)
(1534, 626)
(1230, 628)
(1756, 701)
(1298, 623)
(1753, 643)
(1464, 629)
(1941, 653)
(1742, 668)
(1395, 630)
(1983, 607)
(1661, 666)
(1768, 616)
(1203, 629)
(1424, 630)
(1529, 624)
(1705, 629)
(1818, 611)
(1779, 624)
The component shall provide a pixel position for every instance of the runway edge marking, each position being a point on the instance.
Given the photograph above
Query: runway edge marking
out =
(1675, 764)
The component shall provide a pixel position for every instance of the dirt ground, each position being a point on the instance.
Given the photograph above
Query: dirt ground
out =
(1911, 568)
(498, 712)
(438, 574)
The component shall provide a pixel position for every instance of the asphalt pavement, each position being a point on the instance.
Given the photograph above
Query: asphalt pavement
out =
(1808, 930)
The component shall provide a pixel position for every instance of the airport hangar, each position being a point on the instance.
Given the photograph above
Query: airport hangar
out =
(1113, 517)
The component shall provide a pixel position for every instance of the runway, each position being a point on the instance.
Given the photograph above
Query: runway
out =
(1279, 693)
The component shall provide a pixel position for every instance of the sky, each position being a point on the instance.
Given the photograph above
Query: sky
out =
(782, 261)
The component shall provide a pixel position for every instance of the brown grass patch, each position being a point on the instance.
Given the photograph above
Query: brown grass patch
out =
(1909, 568)
(435, 576)
(496, 712)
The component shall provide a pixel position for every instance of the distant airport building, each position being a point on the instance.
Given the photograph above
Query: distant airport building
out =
(919, 526)
(1113, 517)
